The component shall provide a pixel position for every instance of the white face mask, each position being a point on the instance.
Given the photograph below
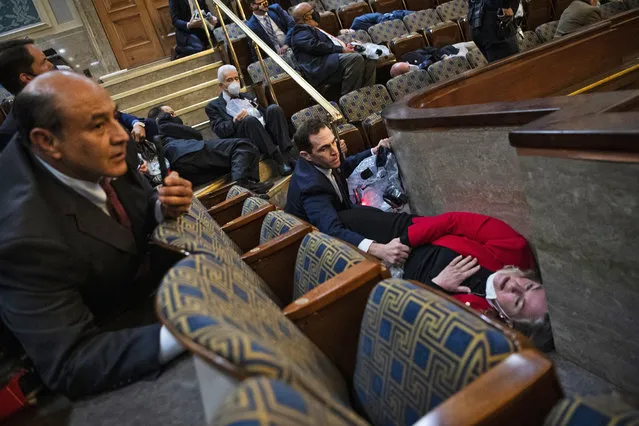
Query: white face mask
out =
(490, 287)
(234, 88)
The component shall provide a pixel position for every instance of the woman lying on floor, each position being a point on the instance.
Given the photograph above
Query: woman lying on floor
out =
(479, 260)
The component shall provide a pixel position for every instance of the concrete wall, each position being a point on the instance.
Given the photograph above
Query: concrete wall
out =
(467, 169)
(586, 233)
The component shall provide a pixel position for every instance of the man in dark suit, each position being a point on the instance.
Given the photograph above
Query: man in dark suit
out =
(318, 189)
(578, 14)
(202, 161)
(190, 37)
(271, 24)
(73, 238)
(325, 59)
(20, 62)
(237, 115)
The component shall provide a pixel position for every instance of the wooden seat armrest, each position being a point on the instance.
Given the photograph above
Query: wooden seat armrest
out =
(245, 230)
(331, 314)
(520, 390)
(274, 261)
(213, 197)
(228, 210)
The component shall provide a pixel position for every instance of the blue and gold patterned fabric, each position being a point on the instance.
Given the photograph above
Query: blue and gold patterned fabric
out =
(546, 32)
(315, 111)
(528, 41)
(477, 59)
(448, 68)
(336, 4)
(402, 85)
(357, 35)
(265, 402)
(319, 258)
(421, 19)
(417, 349)
(372, 119)
(612, 8)
(277, 223)
(223, 306)
(452, 10)
(234, 31)
(196, 232)
(603, 410)
(235, 191)
(253, 203)
(274, 70)
(360, 103)
(386, 31)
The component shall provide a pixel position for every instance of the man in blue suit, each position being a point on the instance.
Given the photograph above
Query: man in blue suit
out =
(325, 59)
(271, 24)
(318, 190)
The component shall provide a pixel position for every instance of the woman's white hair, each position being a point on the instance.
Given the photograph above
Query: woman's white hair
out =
(221, 71)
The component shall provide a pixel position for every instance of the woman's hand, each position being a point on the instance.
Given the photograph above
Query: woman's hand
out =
(451, 277)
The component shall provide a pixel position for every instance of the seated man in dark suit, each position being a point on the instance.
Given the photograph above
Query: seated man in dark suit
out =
(271, 24)
(578, 14)
(325, 59)
(237, 115)
(318, 189)
(73, 239)
(190, 37)
(202, 161)
(20, 62)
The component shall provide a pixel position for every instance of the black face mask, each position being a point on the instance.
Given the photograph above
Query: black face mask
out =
(316, 16)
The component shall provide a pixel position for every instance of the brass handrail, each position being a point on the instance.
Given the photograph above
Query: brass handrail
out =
(321, 100)
(204, 23)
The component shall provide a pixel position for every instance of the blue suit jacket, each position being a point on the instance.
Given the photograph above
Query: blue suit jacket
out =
(282, 19)
(315, 53)
(311, 197)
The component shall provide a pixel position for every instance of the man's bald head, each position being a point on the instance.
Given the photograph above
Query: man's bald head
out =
(300, 11)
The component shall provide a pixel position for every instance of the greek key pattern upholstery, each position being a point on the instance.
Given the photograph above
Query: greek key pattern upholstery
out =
(317, 5)
(336, 4)
(592, 410)
(448, 68)
(319, 258)
(410, 82)
(612, 8)
(234, 31)
(546, 32)
(264, 402)
(357, 35)
(477, 59)
(417, 349)
(386, 31)
(632, 4)
(255, 70)
(235, 190)
(277, 223)
(315, 111)
(360, 103)
(529, 41)
(372, 119)
(224, 307)
(253, 203)
(421, 19)
(452, 10)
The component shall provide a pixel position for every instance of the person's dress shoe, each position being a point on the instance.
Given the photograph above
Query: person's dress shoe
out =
(284, 169)
(257, 187)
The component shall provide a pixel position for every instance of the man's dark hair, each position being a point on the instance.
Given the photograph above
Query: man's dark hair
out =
(154, 112)
(37, 109)
(306, 130)
(15, 59)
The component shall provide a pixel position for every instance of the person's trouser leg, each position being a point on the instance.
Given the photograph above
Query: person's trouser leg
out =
(489, 41)
(351, 69)
(277, 127)
(370, 72)
(241, 154)
(193, 45)
(250, 128)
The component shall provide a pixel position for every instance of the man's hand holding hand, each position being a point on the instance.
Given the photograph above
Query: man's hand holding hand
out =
(282, 50)
(451, 277)
(385, 143)
(194, 23)
(240, 116)
(175, 195)
(393, 253)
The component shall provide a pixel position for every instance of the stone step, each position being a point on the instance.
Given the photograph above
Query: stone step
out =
(131, 79)
(194, 114)
(167, 86)
(182, 99)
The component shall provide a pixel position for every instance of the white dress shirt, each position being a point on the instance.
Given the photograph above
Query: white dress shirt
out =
(265, 20)
(239, 104)
(92, 191)
(365, 244)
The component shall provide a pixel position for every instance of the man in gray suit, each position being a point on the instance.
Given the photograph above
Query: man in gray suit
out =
(579, 14)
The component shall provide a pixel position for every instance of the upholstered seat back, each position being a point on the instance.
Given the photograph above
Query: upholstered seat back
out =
(528, 41)
(360, 103)
(277, 223)
(386, 31)
(336, 4)
(476, 59)
(319, 258)
(195, 232)
(416, 349)
(357, 35)
(223, 307)
(233, 29)
(410, 82)
(546, 32)
(448, 68)
(253, 203)
(612, 8)
(255, 69)
(604, 410)
(421, 19)
(315, 111)
(452, 10)
(235, 191)
(262, 401)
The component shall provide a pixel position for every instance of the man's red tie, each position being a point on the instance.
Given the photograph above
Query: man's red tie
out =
(114, 205)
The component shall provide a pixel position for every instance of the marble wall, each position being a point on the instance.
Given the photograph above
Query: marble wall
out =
(585, 229)
(465, 169)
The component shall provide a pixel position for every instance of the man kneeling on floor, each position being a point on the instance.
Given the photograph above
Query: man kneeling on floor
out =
(202, 161)
(74, 229)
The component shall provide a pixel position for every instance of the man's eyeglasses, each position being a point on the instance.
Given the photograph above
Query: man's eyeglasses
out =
(262, 3)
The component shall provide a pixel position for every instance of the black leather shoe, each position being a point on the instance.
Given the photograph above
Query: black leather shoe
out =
(284, 169)
(257, 187)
